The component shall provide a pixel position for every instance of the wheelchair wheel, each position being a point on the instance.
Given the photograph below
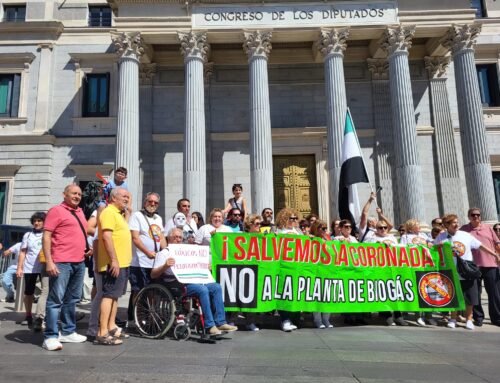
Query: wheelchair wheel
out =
(154, 311)
(182, 332)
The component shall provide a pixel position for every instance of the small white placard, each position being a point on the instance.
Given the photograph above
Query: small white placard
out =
(294, 15)
(192, 263)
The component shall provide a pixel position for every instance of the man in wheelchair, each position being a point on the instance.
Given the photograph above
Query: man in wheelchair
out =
(209, 295)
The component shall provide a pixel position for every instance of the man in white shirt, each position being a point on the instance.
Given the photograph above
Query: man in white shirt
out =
(146, 227)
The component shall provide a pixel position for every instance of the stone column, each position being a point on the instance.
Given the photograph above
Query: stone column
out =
(146, 151)
(461, 40)
(396, 42)
(450, 196)
(195, 49)
(43, 89)
(257, 46)
(384, 138)
(332, 44)
(129, 47)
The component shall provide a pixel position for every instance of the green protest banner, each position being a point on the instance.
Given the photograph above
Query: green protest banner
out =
(265, 272)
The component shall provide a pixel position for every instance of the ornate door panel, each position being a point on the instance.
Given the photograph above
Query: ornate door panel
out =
(295, 183)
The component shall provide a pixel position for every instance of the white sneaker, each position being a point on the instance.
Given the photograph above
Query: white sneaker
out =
(72, 338)
(52, 344)
(322, 326)
(293, 326)
(432, 321)
(287, 326)
(420, 322)
(452, 323)
(469, 325)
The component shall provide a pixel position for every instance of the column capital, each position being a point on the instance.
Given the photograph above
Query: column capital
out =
(332, 40)
(437, 65)
(128, 44)
(397, 39)
(146, 73)
(379, 68)
(194, 45)
(461, 37)
(257, 43)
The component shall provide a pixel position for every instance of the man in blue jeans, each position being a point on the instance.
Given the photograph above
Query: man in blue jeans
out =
(210, 294)
(65, 248)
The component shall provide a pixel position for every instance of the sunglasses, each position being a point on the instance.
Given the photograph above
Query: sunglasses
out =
(322, 228)
(153, 202)
(237, 215)
(347, 226)
(256, 223)
(293, 218)
(475, 215)
(497, 229)
(382, 227)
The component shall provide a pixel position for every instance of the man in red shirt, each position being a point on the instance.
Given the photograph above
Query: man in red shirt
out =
(65, 247)
(488, 265)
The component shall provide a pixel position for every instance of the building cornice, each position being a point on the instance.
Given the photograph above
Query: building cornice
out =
(33, 30)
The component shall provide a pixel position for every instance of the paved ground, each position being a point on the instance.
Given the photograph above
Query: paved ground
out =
(368, 354)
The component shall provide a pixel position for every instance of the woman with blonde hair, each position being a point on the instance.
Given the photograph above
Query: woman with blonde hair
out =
(287, 221)
(320, 229)
(215, 225)
(413, 235)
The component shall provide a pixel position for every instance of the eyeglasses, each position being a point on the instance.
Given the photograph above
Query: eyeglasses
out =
(322, 228)
(347, 226)
(256, 223)
(402, 231)
(236, 214)
(382, 227)
(497, 229)
(293, 218)
(153, 202)
(475, 215)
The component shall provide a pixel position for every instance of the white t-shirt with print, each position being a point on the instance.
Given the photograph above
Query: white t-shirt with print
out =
(388, 240)
(414, 239)
(203, 235)
(32, 243)
(350, 239)
(139, 222)
(462, 243)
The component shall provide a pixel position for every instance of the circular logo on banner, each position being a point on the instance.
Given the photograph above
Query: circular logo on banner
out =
(418, 241)
(436, 289)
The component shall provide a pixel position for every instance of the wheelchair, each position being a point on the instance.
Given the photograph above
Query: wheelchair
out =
(159, 309)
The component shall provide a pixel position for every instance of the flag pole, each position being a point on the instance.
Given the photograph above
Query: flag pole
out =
(359, 147)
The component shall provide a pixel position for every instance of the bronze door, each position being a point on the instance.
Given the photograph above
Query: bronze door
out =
(295, 186)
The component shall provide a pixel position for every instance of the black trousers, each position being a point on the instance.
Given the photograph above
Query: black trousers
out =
(491, 278)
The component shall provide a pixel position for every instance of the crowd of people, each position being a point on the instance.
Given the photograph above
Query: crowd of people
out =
(117, 246)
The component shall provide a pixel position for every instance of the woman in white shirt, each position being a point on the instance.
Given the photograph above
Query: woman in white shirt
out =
(204, 234)
(462, 245)
(413, 235)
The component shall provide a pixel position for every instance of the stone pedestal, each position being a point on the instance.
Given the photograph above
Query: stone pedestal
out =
(396, 42)
(449, 184)
(257, 46)
(129, 47)
(332, 44)
(195, 49)
(461, 39)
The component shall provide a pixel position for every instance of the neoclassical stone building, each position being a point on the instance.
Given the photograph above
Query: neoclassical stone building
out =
(193, 96)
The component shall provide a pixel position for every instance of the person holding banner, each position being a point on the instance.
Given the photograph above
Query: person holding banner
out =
(209, 294)
(287, 221)
(462, 244)
(320, 229)
(413, 235)
(345, 232)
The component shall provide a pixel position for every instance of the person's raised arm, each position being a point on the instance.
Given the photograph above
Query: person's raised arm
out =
(364, 213)
(381, 216)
